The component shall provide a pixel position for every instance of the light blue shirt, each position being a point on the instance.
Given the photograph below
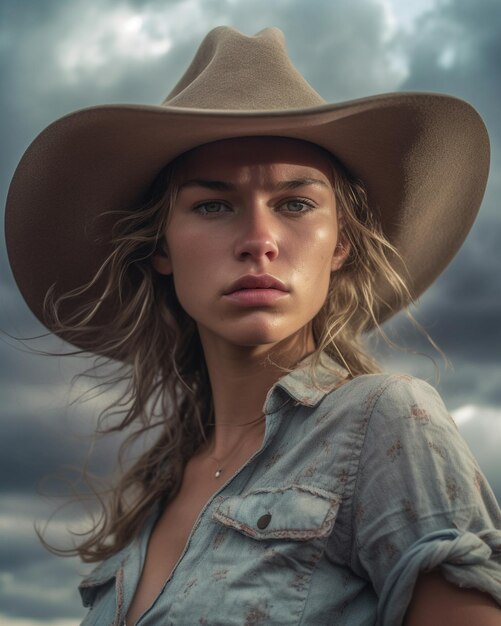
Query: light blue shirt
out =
(356, 490)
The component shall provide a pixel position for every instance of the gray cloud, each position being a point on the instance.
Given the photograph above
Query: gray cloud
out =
(484, 440)
(35, 582)
(41, 592)
(449, 47)
(33, 447)
(456, 48)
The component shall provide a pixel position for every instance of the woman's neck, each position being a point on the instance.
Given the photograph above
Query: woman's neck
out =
(240, 379)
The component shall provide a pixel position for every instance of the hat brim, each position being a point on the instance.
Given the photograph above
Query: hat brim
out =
(423, 157)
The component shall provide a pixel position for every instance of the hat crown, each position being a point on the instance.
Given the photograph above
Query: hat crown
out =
(235, 72)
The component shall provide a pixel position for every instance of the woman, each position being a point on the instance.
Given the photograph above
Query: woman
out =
(289, 483)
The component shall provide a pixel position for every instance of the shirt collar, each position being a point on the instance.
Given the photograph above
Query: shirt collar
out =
(300, 385)
(108, 568)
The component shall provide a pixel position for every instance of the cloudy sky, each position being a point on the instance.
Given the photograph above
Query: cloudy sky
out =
(60, 56)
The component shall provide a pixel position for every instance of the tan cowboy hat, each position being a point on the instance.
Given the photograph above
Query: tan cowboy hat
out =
(424, 158)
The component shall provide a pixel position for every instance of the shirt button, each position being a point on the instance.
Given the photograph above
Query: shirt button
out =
(263, 521)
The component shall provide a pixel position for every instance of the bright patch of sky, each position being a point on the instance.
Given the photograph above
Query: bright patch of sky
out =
(405, 12)
(400, 16)
(447, 58)
(465, 413)
(10, 586)
(122, 34)
(117, 34)
(390, 19)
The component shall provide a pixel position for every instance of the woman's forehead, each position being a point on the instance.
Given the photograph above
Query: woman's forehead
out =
(266, 155)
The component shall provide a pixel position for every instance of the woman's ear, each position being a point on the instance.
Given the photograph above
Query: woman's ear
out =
(341, 251)
(161, 260)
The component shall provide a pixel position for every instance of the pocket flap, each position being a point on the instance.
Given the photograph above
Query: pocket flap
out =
(294, 512)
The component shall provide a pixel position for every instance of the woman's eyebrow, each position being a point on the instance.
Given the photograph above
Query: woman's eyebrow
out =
(217, 185)
(220, 185)
(300, 182)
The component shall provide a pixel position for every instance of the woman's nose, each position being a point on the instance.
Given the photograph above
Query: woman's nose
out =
(258, 236)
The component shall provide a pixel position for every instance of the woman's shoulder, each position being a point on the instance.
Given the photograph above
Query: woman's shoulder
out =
(407, 430)
(389, 414)
(389, 382)
(391, 396)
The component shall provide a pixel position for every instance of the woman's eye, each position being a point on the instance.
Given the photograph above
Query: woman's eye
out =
(299, 205)
(210, 207)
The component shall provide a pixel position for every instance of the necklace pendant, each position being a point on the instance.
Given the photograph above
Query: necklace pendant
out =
(218, 473)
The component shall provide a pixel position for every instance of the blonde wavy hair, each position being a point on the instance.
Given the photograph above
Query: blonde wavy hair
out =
(163, 377)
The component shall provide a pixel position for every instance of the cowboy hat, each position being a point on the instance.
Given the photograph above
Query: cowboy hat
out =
(423, 157)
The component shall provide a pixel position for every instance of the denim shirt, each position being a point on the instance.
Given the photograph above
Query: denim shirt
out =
(357, 488)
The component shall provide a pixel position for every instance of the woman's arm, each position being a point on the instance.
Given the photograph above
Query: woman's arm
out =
(437, 602)
(421, 504)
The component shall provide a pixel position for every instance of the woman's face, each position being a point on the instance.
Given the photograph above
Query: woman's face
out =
(252, 207)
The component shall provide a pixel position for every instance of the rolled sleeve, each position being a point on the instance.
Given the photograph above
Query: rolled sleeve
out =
(421, 501)
(464, 558)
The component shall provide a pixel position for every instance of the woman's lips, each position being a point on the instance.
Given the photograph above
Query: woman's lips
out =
(256, 281)
(256, 297)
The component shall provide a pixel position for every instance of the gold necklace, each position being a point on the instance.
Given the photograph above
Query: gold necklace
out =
(220, 468)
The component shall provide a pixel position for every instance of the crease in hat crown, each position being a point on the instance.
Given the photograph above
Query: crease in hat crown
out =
(223, 77)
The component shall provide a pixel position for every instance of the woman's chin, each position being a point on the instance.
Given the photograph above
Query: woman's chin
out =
(260, 335)
(255, 339)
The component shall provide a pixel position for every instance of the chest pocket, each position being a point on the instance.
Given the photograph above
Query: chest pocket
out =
(295, 512)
